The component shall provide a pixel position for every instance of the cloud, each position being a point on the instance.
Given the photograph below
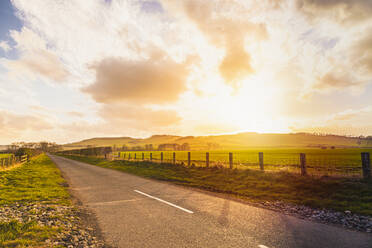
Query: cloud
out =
(138, 117)
(334, 80)
(352, 114)
(5, 46)
(145, 81)
(220, 23)
(123, 119)
(19, 125)
(236, 64)
(339, 10)
(362, 51)
(347, 66)
(35, 58)
(75, 114)
(42, 63)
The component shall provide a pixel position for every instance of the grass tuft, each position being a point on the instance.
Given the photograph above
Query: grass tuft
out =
(16, 234)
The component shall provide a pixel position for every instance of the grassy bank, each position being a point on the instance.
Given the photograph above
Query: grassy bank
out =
(35, 182)
(331, 193)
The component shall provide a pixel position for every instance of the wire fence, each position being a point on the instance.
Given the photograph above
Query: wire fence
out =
(310, 164)
(341, 163)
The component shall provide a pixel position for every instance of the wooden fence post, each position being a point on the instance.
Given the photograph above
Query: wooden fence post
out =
(366, 164)
(161, 157)
(129, 156)
(174, 158)
(231, 160)
(303, 164)
(150, 156)
(207, 159)
(261, 161)
(189, 159)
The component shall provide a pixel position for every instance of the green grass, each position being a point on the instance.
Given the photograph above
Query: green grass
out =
(38, 181)
(16, 234)
(331, 193)
(338, 162)
(5, 155)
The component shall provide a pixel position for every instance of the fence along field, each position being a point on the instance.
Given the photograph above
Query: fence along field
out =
(346, 162)
(7, 160)
(342, 163)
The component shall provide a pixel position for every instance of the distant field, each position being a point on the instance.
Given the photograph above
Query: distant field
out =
(323, 162)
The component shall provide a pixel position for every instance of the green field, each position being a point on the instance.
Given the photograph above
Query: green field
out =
(338, 162)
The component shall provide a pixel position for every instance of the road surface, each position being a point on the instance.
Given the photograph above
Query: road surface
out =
(136, 212)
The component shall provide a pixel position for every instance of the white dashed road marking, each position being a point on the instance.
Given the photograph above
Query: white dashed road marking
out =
(170, 204)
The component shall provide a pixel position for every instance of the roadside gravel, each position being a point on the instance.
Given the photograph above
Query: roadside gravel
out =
(72, 231)
(346, 219)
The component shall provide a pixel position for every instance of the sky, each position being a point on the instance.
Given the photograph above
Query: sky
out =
(72, 70)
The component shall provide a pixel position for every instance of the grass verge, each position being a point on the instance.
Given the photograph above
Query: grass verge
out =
(38, 181)
(329, 193)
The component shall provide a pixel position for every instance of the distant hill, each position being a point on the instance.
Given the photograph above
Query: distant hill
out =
(231, 141)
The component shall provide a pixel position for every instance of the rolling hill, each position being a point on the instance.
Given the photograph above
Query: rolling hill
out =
(230, 141)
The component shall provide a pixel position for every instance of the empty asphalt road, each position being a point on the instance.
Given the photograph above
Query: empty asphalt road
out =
(137, 212)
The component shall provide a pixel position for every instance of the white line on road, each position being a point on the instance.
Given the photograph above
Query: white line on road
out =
(111, 202)
(171, 204)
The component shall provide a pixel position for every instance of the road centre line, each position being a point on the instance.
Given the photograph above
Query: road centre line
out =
(170, 204)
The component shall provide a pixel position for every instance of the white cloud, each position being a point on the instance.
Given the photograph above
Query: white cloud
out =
(35, 58)
(5, 46)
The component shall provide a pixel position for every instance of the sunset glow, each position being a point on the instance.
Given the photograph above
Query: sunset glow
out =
(71, 70)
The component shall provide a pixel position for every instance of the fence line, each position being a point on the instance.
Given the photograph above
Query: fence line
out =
(301, 163)
(11, 160)
(264, 162)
